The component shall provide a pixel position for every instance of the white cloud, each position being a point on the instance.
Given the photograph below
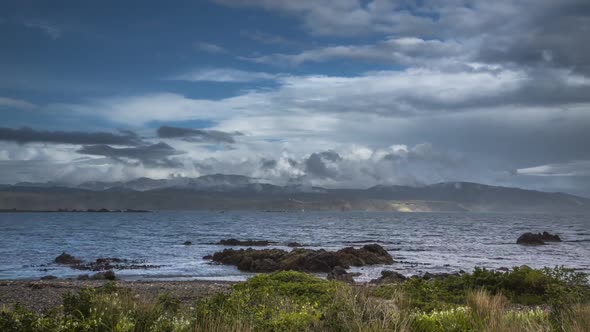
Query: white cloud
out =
(210, 48)
(16, 103)
(401, 51)
(572, 168)
(51, 30)
(224, 75)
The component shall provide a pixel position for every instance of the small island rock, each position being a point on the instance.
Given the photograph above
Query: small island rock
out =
(304, 260)
(537, 239)
(67, 259)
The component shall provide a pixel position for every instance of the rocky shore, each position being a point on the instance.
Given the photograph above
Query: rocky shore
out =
(41, 295)
(47, 293)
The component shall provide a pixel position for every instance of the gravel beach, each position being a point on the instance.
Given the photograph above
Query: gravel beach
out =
(40, 295)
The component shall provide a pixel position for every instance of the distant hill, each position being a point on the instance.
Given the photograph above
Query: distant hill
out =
(235, 192)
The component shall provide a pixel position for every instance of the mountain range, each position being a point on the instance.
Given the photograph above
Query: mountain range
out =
(236, 192)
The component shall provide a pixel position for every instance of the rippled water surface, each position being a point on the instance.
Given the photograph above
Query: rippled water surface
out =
(420, 242)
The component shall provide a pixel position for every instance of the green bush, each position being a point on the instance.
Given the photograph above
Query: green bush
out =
(559, 287)
(281, 301)
(293, 301)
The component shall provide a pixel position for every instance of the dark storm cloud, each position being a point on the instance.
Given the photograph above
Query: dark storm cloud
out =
(549, 34)
(196, 135)
(268, 163)
(316, 165)
(155, 155)
(29, 135)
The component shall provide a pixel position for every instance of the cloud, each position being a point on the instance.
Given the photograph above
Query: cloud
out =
(16, 103)
(51, 30)
(317, 164)
(29, 135)
(401, 51)
(268, 163)
(271, 39)
(334, 17)
(497, 32)
(155, 155)
(397, 93)
(226, 75)
(572, 168)
(210, 48)
(196, 135)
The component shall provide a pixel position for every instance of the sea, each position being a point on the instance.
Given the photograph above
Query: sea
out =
(419, 242)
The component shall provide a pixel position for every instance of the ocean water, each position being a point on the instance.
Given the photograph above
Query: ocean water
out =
(419, 242)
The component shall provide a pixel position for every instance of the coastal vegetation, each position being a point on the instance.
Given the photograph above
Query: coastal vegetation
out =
(522, 299)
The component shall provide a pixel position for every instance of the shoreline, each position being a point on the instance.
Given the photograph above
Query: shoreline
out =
(41, 295)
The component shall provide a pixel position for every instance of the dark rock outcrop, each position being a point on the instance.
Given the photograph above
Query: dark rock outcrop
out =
(340, 274)
(113, 263)
(105, 264)
(537, 239)
(389, 277)
(305, 260)
(236, 242)
(547, 237)
(187, 243)
(107, 275)
(294, 244)
(48, 277)
(442, 275)
(67, 259)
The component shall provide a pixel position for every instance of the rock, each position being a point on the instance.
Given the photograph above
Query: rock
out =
(236, 242)
(83, 277)
(107, 275)
(294, 244)
(537, 239)
(305, 260)
(547, 237)
(187, 243)
(389, 277)
(67, 259)
(113, 263)
(442, 275)
(339, 273)
(48, 277)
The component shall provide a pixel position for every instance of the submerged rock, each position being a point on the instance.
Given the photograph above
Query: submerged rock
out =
(103, 264)
(67, 259)
(389, 277)
(113, 263)
(305, 260)
(537, 239)
(294, 244)
(236, 242)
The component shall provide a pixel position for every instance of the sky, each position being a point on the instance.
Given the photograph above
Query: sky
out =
(334, 93)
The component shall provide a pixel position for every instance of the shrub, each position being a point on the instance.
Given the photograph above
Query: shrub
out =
(281, 301)
(558, 287)
(292, 301)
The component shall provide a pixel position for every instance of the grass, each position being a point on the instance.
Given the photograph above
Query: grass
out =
(292, 301)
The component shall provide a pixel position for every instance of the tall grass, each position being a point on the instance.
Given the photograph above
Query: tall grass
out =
(290, 301)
